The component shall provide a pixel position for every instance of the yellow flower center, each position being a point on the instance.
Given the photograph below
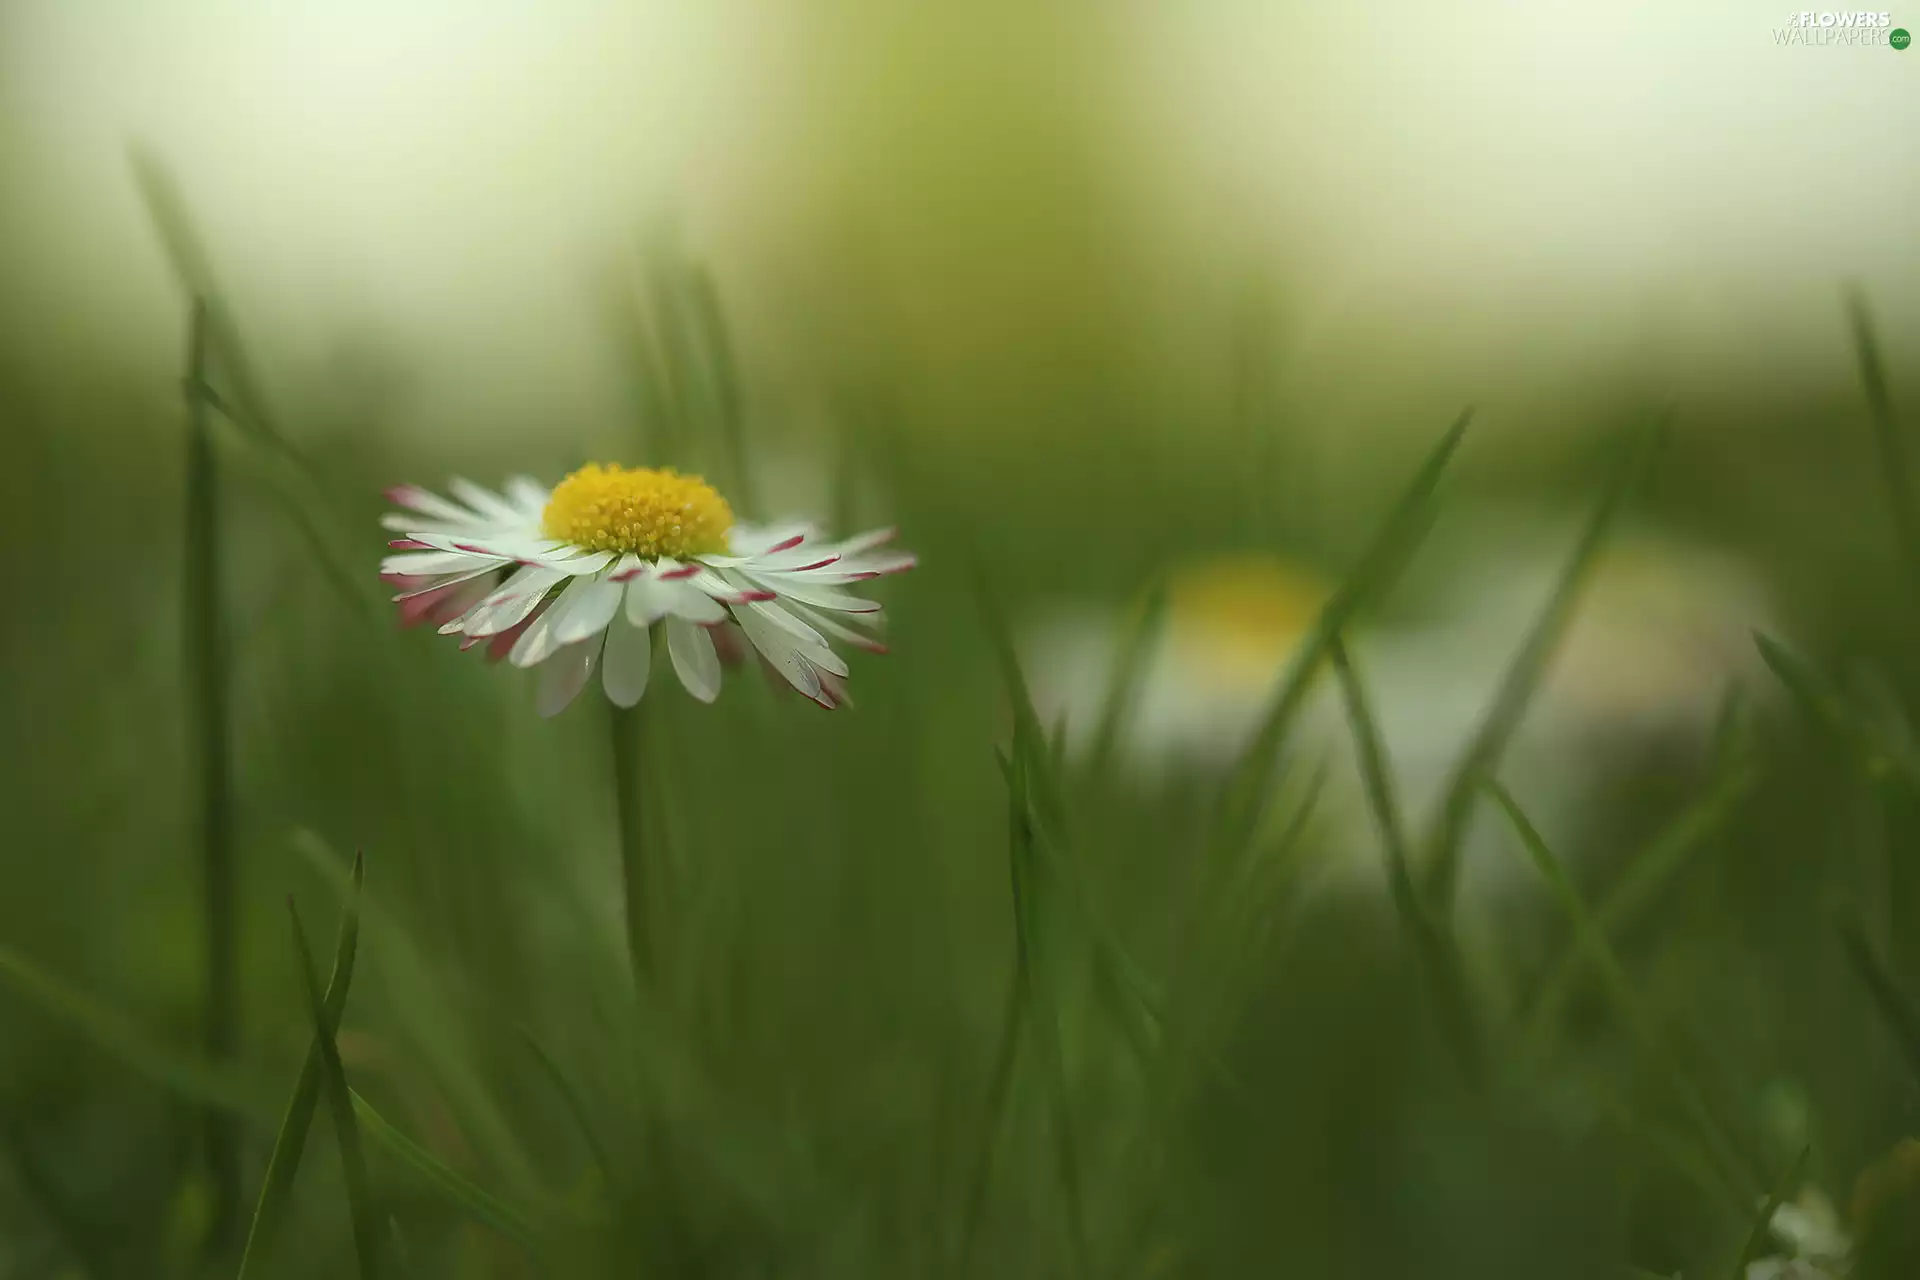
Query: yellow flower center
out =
(650, 513)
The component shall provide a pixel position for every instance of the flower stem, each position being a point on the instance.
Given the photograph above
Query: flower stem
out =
(206, 681)
(628, 728)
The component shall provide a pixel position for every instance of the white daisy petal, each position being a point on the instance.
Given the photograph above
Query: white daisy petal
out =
(695, 605)
(747, 541)
(818, 597)
(858, 639)
(409, 522)
(649, 599)
(506, 608)
(485, 501)
(584, 609)
(782, 650)
(694, 660)
(565, 674)
(627, 659)
(591, 562)
(867, 541)
(529, 495)
(536, 643)
(425, 563)
(414, 498)
(478, 569)
(810, 644)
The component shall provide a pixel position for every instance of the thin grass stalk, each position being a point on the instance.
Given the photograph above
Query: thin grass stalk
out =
(1716, 1144)
(1244, 797)
(1529, 666)
(1895, 1007)
(628, 728)
(1896, 468)
(367, 1233)
(1652, 868)
(1763, 1222)
(204, 646)
(1431, 940)
(1122, 693)
(1041, 998)
(276, 1188)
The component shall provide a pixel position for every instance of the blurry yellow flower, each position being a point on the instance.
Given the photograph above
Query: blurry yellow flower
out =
(1232, 623)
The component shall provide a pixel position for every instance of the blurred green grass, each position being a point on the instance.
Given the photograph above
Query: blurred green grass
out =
(811, 1091)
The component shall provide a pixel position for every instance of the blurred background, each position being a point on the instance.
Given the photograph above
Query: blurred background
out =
(1135, 319)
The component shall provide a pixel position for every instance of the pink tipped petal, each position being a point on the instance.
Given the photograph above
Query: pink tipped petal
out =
(414, 498)
(503, 644)
(437, 581)
(408, 544)
(867, 541)
(565, 674)
(694, 661)
(728, 644)
(536, 644)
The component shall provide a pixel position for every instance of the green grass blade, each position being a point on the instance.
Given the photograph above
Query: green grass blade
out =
(1902, 1016)
(1725, 1157)
(1639, 884)
(1757, 1237)
(1430, 941)
(1481, 758)
(206, 673)
(723, 370)
(187, 254)
(1895, 466)
(1874, 753)
(1006, 1060)
(576, 1107)
(183, 1074)
(1039, 993)
(457, 1191)
(1243, 799)
(68, 1220)
(276, 1188)
(1123, 687)
(367, 1230)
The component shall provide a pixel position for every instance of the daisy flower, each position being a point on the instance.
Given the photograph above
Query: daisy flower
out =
(574, 579)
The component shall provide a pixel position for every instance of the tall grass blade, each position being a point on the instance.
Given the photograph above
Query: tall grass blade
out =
(187, 253)
(213, 1084)
(1523, 675)
(1039, 994)
(457, 1191)
(1736, 1176)
(1896, 468)
(1123, 685)
(1430, 940)
(276, 1188)
(576, 1107)
(1244, 797)
(1639, 884)
(367, 1231)
(723, 371)
(204, 646)
(1757, 1237)
(1873, 753)
(1896, 1008)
